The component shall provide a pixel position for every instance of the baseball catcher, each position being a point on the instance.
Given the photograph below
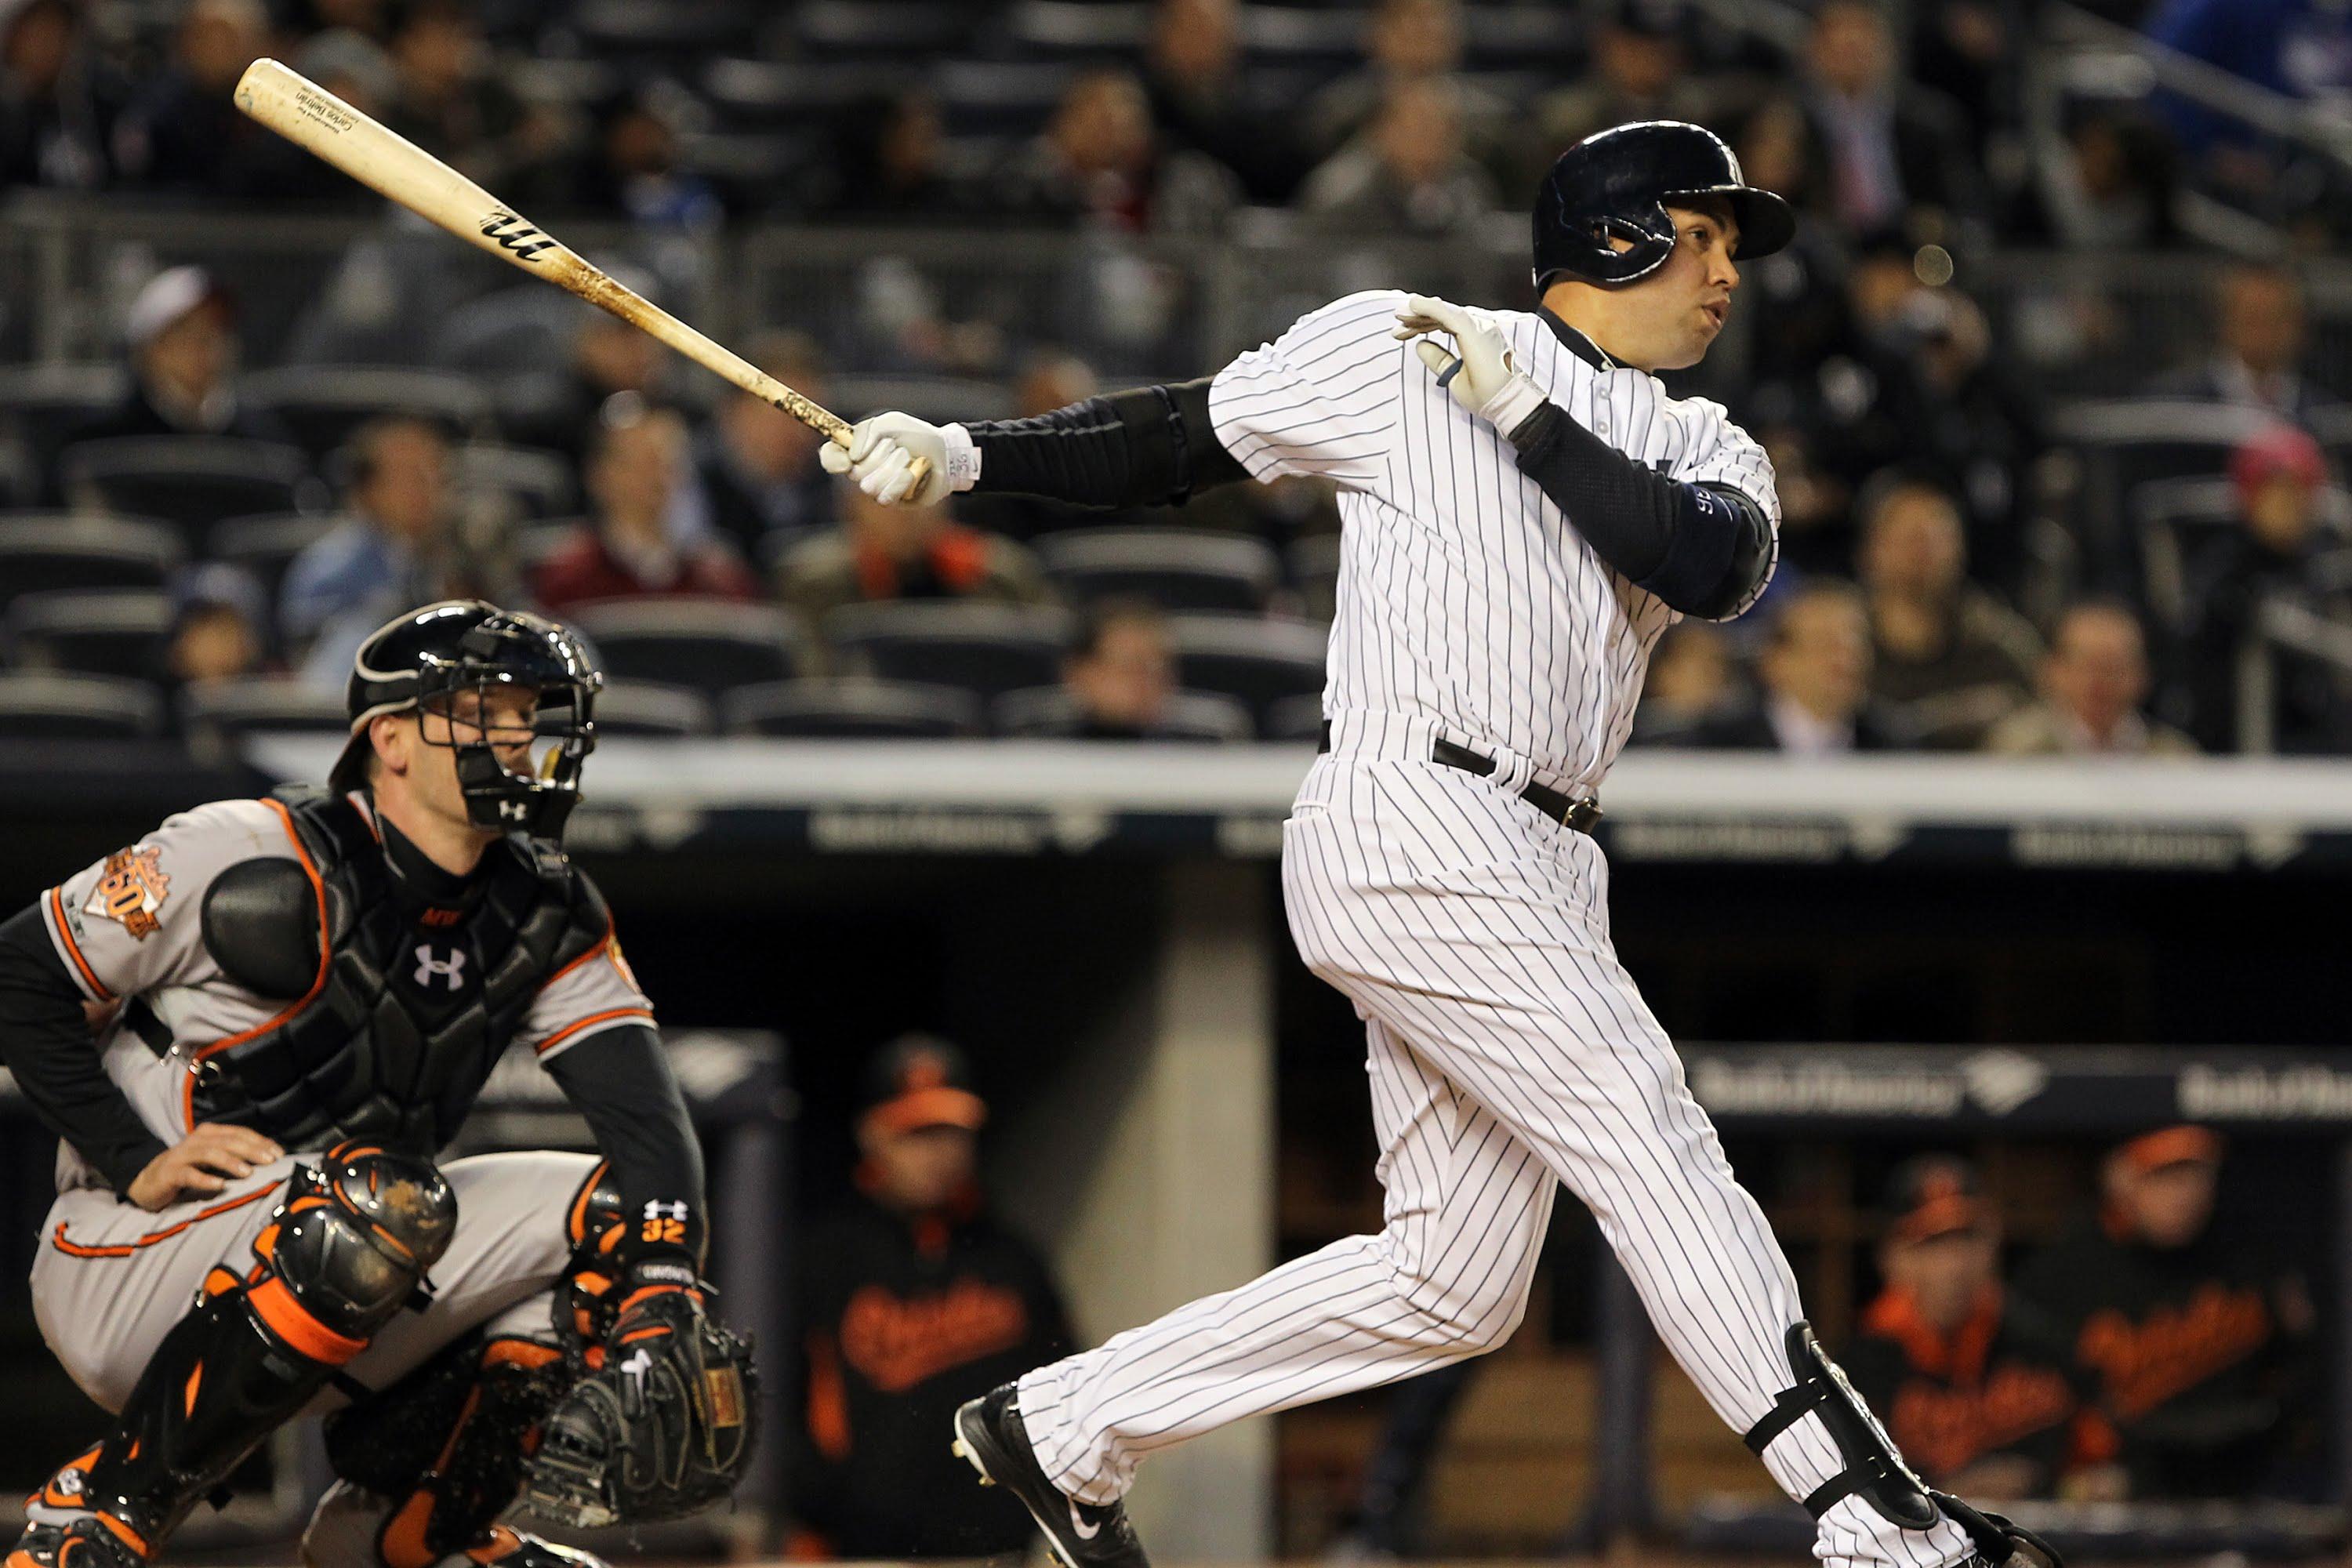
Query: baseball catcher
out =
(295, 1001)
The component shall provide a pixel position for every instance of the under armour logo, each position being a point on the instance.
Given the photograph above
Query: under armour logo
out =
(514, 810)
(452, 968)
(657, 1209)
(638, 1367)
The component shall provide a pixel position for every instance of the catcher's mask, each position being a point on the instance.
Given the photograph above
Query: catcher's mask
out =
(424, 660)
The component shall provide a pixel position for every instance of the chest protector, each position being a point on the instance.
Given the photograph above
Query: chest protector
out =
(393, 1037)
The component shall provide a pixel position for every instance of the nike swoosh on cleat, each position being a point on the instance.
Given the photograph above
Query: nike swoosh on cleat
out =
(1077, 1522)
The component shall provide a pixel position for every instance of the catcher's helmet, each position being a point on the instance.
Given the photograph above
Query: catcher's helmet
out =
(1618, 182)
(425, 658)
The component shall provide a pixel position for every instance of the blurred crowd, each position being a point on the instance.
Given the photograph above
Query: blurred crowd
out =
(2143, 1354)
(1967, 564)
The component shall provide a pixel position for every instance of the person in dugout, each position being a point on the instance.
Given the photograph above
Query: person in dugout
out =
(2199, 1346)
(913, 1299)
(1975, 1386)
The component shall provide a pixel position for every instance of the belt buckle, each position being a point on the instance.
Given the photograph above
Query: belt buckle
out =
(1584, 813)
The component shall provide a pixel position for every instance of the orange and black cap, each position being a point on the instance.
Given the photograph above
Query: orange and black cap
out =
(1936, 1195)
(919, 1080)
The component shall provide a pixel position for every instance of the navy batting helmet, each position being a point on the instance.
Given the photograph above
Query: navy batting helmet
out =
(1618, 182)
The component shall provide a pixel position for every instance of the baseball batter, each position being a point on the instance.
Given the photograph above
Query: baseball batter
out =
(298, 1000)
(1524, 515)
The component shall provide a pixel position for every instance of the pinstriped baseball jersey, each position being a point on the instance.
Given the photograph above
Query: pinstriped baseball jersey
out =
(1509, 1049)
(1466, 595)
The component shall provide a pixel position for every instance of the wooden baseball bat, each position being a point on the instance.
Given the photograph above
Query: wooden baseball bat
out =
(397, 169)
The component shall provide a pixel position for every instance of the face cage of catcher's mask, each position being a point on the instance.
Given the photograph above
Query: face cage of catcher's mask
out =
(563, 733)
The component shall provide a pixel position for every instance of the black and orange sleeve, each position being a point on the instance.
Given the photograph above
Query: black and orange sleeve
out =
(45, 1040)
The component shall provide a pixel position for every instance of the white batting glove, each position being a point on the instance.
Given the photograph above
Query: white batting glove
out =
(1480, 375)
(883, 451)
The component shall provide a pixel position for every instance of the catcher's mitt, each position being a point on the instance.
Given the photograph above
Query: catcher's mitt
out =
(663, 1429)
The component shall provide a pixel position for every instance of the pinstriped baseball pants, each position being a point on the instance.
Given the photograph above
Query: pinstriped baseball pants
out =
(1509, 1053)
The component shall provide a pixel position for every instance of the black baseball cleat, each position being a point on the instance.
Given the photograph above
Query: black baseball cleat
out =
(1995, 1540)
(990, 1436)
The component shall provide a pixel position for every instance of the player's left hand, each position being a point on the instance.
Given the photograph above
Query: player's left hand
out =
(1480, 375)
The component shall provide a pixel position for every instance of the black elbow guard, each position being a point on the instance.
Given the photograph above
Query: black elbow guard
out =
(1717, 553)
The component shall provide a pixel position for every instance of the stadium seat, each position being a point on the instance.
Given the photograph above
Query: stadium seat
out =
(856, 708)
(2126, 443)
(43, 551)
(1176, 568)
(539, 483)
(322, 404)
(1517, 37)
(790, 95)
(1293, 719)
(896, 30)
(997, 98)
(1314, 563)
(990, 649)
(674, 36)
(1329, 39)
(650, 708)
(43, 706)
(100, 631)
(222, 711)
(702, 645)
(942, 399)
(1256, 661)
(190, 481)
(2177, 519)
(41, 405)
(1076, 29)
(265, 546)
(1050, 711)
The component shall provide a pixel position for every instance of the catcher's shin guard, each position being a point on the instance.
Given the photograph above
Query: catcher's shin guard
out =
(345, 1250)
(447, 1443)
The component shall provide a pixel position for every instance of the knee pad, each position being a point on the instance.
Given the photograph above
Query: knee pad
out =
(357, 1233)
(1875, 1470)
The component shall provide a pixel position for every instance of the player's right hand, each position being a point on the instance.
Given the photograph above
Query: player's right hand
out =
(1479, 375)
(200, 1164)
(882, 454)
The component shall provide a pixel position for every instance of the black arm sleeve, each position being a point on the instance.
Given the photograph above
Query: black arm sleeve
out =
(47, 1045)
(620, 1080)
(1148, 447)
(1701, 548)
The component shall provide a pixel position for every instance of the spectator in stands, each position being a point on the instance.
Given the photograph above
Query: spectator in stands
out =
(1640, 70)
(2300, 48)
(58, 102)
(1408, 174)
(2257, 361)
(1950, 661)
(756, 463)
(1692, 682)
(912, 1300)
(1121, 671)
(453, 102)
(1898, 152)
(634, 171)
(882, 553)
(184, 133)
(393, 549)
(2197, 1346)
(1977, 1387)
(888, 164)
(1408, 41)
(1816, 507)
(1980, 426)
(2278, 552)
(1201, 97)
(629, 547)
(1815, 674)
(218, 625)
(2111, 183)
(182, 333)
(1100, 162)
(2094, 680)
(608, 358)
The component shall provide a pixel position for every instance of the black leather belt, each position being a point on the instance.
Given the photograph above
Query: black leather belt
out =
(1568, 812)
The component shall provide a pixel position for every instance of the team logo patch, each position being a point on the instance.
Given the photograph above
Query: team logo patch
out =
(131, 890)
